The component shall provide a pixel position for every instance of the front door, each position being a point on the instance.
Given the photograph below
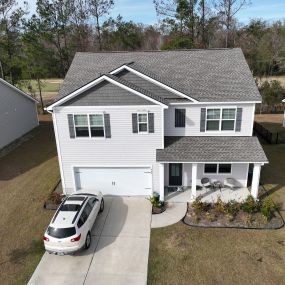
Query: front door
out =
(175, 174)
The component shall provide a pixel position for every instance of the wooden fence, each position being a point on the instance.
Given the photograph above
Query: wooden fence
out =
(272, 138)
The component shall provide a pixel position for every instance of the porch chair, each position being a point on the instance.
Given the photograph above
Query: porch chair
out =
(230, 183)
(206, 183)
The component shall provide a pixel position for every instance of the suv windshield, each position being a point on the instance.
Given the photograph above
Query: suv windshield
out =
(61, 232)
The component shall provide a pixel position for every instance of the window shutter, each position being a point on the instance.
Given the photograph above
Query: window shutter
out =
(107, 125)
(238, 119)
(180, 118)
(135, 122)
(151, 122)
(203, 120)
(71, 126)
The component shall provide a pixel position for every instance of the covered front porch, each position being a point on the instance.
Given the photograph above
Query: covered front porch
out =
(185, 162)
(174, 195)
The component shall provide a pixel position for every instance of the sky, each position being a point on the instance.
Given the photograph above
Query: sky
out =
(142, 11)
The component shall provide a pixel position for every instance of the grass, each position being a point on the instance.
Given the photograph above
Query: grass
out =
(49, 85)
(184, 255)
(27, 176)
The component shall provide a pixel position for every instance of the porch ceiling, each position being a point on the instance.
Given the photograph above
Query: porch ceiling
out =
(211, 149)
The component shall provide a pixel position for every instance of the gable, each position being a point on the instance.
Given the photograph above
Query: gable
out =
(106, 94)
(145, 84)
(7, 89)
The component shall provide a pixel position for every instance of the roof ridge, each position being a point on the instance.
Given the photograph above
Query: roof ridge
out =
(158, 51)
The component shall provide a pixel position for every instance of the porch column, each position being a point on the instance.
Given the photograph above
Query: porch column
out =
(161, 181)
(194, 182)
(255, 180)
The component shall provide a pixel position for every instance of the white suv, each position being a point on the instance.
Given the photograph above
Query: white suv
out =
(70, 228)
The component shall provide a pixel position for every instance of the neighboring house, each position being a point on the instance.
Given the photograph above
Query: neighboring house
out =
(18, 113)
(131, 123)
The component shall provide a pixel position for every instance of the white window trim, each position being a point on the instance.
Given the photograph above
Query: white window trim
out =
(217, 172)
(147, 126)
(220, 120)
(89, 126)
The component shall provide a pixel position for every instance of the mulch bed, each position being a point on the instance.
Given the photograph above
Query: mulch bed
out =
(212, 219)
(156, 211)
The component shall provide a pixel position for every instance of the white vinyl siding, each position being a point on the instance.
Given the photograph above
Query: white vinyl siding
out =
(193, 116)
(124, 148)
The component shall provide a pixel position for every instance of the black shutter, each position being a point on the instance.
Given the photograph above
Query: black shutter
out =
(135, 122)
(107, 125)
(71, 126)
(180, 118)
(203, 120)
(238, 119)
(151, 122)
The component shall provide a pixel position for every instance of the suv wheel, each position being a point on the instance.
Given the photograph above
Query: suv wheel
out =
(88, 240)
(102, 206)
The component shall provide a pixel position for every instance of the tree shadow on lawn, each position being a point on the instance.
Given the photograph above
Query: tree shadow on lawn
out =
(17, 256)
(31, 153)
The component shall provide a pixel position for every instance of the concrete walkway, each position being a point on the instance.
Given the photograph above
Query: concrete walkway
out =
(118, 252)
(174, 213)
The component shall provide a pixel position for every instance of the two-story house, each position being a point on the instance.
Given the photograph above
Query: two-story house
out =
(131, 123)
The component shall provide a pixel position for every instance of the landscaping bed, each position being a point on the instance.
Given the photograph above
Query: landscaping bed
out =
(249, 214)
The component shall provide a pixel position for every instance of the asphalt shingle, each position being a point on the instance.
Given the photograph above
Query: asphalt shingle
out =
(214, 75)
(211, 149)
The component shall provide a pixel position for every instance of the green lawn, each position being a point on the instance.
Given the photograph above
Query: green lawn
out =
(182, 255)
(27, 176)
(49, 85)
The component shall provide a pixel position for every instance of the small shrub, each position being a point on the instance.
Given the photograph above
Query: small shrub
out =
(220, 206)
(210, 217)
(250, 205)
(268, 208)
(232, 207)
(247, 219)
(155, 202)
(229, 217)
(55, 198)
(199, 206)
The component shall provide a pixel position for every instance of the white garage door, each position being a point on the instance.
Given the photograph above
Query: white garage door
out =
(126, 181)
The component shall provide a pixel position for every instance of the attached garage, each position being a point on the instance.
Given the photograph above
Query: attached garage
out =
(125, 181)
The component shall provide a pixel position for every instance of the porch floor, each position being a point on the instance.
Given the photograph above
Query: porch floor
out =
(209, 196)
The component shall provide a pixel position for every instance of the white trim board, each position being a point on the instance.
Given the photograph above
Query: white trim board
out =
(18, 90)
(156, 82)
(94, 83)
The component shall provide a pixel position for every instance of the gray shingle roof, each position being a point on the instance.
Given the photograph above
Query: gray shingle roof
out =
(136, 88)
(211, 149)
(206, 75)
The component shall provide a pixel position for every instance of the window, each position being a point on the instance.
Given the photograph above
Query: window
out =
(222, 168)
(89, 125)
(70, 208)
(96, 125)
(210, 168)
(180, 118)
(83, 218)
(142, 123)
(81, 125)
(225, 168)
(213, 119)
(221, 119)
(61, 232)
(92, 202)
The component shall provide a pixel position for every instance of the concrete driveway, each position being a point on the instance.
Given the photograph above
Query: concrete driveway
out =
(118, 252)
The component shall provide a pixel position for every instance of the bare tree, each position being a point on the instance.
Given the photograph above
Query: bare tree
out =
(98, 9)
(227, 10)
